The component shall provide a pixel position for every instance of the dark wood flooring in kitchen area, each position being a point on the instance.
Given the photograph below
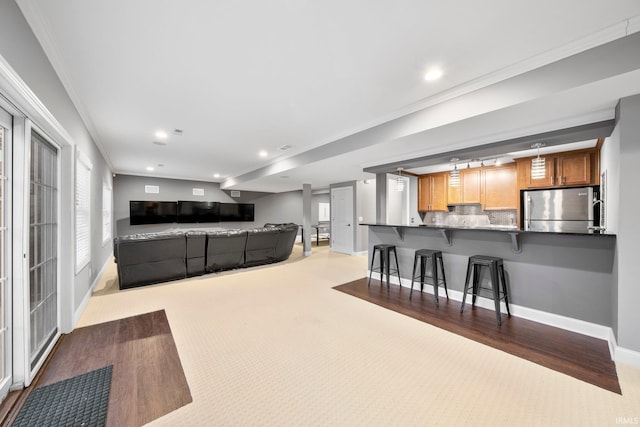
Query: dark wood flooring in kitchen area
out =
(582, 357)
(147, 380)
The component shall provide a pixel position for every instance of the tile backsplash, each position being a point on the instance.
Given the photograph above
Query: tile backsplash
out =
(472, 216)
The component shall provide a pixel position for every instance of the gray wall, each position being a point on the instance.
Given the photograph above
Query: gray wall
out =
(628, 225)
(269, 207)
(21, 49)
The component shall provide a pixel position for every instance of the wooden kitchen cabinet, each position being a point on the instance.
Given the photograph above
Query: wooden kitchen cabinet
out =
(563, 169)
(573, 169)
(500, 190)
(471, 185)
(432, 192)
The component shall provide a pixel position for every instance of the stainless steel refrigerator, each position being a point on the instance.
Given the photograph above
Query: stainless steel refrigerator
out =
(559, 210)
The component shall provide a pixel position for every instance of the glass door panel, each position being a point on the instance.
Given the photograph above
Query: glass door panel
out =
(43, 257)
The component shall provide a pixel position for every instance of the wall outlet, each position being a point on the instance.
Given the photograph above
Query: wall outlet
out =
(413, 220)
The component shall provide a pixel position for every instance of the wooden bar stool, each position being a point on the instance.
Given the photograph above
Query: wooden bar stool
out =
(385, 262)
(496, 271)
(423, 256)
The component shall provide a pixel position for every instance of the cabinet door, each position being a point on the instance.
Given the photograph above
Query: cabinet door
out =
(574, 169)
(500, 188)
(439, 192)
(549, 178)
(424, 193)
(471, 180)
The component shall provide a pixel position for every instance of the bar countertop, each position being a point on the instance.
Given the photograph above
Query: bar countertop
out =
(496, 228)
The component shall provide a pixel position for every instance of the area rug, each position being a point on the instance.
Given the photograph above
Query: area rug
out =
(78, 401)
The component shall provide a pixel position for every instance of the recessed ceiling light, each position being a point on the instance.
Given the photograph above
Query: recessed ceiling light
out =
(161, 134)
(433, 74)
(149, 168)
(216, 175)
(262, 153)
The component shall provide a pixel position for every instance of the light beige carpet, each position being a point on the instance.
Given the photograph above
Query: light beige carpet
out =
(276, 345)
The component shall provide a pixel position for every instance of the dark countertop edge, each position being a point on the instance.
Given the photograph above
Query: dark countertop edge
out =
(501, 230)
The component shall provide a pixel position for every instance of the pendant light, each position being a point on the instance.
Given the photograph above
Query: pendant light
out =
(399, 181)
(454, 176)
(538, 164)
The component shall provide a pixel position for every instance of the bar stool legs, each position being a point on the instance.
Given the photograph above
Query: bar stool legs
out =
(385, 263)
(496, 271)
(424, 255)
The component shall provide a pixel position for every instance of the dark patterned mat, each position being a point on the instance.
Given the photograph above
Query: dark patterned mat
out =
(78, 401)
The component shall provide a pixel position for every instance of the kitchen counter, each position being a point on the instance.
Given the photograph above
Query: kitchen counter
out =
(500, 228)
(563, 275)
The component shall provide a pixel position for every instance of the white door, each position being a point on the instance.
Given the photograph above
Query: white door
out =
(342, 224)
(5, 256)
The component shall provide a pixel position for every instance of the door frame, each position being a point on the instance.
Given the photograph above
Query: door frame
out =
(7, 253)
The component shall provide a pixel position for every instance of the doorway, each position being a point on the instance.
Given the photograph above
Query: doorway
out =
(342, 224)
(398, 200)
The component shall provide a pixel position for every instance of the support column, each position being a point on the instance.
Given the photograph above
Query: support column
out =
(306, 219)
(381, 198)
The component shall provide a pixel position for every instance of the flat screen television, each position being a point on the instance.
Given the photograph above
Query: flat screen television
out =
(152, 212)
(190, 212)
(236, 212)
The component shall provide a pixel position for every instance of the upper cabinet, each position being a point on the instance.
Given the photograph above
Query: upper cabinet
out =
(563, 169)
(493, 187)
(500, 187)
(471, 185)
(432, 192)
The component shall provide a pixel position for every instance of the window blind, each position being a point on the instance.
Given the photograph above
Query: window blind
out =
(106, 212)
(83, 212)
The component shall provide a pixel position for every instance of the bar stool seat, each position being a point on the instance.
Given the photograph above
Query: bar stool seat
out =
(385, 262)
(496, 271)
(435, 258)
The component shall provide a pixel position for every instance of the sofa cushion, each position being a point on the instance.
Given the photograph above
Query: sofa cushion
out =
(225, 249)
(261, 246)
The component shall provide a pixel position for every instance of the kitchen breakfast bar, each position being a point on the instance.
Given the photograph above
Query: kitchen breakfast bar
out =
(565, 279)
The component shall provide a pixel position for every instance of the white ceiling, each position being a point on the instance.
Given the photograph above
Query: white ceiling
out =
(341, 82)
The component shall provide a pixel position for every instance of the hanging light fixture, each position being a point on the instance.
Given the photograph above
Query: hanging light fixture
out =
(454, 176)
(400, 181)
(538, 164)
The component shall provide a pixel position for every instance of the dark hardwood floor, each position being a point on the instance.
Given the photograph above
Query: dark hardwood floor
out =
(579, 356)
(147, 380)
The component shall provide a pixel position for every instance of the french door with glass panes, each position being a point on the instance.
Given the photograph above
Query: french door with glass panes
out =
(5, 254)
(43, 247)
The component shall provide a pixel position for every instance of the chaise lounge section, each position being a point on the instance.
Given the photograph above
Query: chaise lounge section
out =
(145, 259)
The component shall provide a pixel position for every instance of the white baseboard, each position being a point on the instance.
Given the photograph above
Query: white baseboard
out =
(551, 319)
(630, 357)
(87, 296)
(360, 253)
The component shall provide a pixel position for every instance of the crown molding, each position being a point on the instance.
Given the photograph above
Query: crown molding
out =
(25, 100)
(38, 25)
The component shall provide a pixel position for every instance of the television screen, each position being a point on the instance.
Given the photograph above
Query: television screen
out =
(152, 212)
(237, 212)
(190, 212)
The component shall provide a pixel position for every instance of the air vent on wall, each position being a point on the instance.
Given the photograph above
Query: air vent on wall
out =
(235, 193)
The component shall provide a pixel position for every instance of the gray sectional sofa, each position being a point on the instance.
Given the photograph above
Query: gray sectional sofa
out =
(144, 259)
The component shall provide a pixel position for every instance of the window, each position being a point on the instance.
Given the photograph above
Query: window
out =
(83, 211)
(106, 212)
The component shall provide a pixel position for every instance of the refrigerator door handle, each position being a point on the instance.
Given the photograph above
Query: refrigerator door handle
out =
(529, 211)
